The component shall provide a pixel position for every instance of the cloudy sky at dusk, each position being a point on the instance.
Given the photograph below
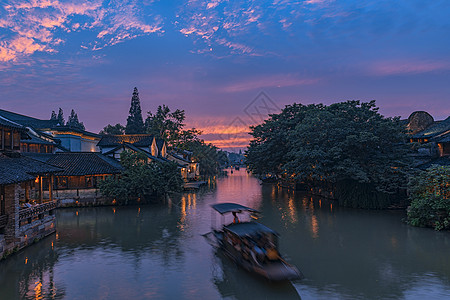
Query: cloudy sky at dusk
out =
(214, 58)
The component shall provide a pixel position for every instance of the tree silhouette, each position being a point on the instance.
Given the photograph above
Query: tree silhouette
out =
(73, 121)
(60, 117)
(135, 123)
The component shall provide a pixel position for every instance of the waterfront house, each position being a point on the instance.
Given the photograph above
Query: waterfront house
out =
(25, 213)
(47, 136)
(190, 168)
(81, 172)
(433, 138)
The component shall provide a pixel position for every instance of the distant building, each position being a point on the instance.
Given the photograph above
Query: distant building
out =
(74, 139)
(433, 137)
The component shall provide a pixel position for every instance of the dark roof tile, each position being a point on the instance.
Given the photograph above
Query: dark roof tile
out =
(139, 140)
(84, 163)
(18, 168)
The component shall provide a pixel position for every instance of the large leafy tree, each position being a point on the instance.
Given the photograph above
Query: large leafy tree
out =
(271, 142)
(141, 179)
(113, 129)
(167, 125)
(73, 121)
(210, 157)
(346, 146)
(135, 123)
(429, 192)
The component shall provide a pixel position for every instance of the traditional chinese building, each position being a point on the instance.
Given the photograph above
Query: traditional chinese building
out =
(26, 213)
(433, 137)
(81, 172)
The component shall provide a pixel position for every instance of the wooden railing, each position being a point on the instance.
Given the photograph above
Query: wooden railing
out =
(3, 220)
(36, 210)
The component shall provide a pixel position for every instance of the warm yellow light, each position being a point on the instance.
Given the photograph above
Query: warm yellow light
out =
(37, 179)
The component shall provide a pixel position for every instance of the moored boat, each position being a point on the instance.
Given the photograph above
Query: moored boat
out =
(250, 244)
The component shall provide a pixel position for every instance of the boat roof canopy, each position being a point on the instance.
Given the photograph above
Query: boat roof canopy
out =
(223, 208)
(249, 229)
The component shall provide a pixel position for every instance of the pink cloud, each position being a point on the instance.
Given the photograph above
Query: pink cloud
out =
(387, 68)
(283, 80)
(32, 25)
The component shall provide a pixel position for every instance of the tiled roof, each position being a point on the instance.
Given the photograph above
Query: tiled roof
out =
(434, 130)
(445, 138)
(139, 140)
(84, 163)
(37, 140)
(17, 168)
(148, 154)
(71, 129)
(27, 121)
(7, 123)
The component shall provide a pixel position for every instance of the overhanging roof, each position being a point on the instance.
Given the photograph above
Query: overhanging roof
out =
(228, 207)
(249, 229)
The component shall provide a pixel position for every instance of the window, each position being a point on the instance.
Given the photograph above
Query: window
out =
(16, 140)
(7, 138)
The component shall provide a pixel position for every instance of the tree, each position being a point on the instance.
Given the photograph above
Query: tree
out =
(165, 124)
(73, 121)
(209, 156)
(347, 147)
(429, 192)
(53, 117)
(113, 130)
(135, 123)
(141, 179)
(60, 117)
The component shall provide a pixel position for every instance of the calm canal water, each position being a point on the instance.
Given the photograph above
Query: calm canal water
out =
(157, 252)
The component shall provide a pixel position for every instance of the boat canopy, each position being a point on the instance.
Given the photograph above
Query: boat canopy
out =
(249, 229)
(223, 208)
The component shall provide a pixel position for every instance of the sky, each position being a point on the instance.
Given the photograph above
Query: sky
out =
(228, 64)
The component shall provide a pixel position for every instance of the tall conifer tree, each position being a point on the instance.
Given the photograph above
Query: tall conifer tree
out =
(60, 117)
(135, 123)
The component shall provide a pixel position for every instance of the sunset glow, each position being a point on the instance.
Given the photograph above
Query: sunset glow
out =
(213, 58)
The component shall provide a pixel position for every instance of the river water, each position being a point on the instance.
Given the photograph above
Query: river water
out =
(157, 251)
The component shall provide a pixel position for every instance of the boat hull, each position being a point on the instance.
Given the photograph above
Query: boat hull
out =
(278, 270)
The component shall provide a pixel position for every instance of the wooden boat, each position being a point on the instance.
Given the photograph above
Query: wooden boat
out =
(251, 245)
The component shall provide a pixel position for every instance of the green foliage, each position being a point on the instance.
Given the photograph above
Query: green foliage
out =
(73, 121)
(348, 141)
(169, 126)
(429, 192)
(141, 179)
(113, 130)
(209, 156)
(135, 123)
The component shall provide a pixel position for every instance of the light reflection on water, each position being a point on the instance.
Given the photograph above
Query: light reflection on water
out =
(157, 252)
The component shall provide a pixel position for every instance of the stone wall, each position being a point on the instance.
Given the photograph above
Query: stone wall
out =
(17, 237)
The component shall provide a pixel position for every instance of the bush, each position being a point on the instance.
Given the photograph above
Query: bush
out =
(429, 192)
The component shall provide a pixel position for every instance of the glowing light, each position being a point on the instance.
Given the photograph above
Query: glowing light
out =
(38, 290)
(314, 227)
(26, 260)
